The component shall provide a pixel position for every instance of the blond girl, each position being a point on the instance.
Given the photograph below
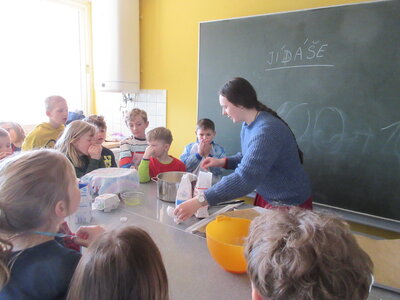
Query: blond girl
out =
(38, 190)
(78, 143)
(123, 264)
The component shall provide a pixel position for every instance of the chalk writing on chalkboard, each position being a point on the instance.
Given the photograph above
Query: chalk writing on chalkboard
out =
(333, 75)
(337, 137)
(306, 55)
(394, 139)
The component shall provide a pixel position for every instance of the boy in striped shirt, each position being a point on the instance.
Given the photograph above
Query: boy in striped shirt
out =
(132, 148)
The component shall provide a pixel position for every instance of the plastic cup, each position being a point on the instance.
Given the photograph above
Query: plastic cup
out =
(132, 198)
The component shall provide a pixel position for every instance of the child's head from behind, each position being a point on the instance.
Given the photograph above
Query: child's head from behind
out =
(101, 127)
(76, 139)
(17, 134)
(122, 264)
(137, 122)
(205, 130)
(160, 139)
(37, 190)
(299, 254)
(5, 141)
(56, 110)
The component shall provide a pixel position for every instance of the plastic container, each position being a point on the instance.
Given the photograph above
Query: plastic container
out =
(84, 213)
(225, 238)
(132, 198)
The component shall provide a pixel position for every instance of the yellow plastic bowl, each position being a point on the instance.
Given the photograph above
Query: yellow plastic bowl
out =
(225, 238)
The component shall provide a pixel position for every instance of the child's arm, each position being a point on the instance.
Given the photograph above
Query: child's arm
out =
(144, 171)
(191, 160)
(95, 161)
(68, 242)
(217, 152)
(87, 234)
(125, 155)
(125, 162)
(144, 167)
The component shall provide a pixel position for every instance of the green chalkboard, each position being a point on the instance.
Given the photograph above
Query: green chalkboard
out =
(333, 74)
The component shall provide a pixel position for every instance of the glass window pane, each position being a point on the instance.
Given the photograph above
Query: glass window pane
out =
(41, 54)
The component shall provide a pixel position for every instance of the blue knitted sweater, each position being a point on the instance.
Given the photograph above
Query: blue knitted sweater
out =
(269, 163)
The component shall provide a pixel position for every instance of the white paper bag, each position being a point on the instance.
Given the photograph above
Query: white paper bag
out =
(184, 191)
(204, 181)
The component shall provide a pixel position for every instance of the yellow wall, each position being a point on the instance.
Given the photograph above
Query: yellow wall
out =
(169, 49)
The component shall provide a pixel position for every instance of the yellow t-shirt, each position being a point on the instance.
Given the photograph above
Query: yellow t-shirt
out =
(42, 136)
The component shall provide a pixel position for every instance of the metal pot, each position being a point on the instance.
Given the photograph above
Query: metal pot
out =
(168, 183)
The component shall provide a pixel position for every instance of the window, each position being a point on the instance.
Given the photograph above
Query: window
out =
(43, 51)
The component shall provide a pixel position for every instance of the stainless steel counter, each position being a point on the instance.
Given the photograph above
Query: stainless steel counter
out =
(192, 273)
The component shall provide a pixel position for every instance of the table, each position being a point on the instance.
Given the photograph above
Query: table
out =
(192, 272)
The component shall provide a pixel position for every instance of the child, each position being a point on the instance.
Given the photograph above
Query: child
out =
(5, 144)
(156, 159)
(300, 254)
(123, 264)
(106, 154)
(46, 134)
(203, 147)
(78, 144)
(17, 134)
(38, 190)
(132, 148)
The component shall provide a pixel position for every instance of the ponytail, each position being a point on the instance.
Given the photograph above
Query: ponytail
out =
(262, 107)
(239, 91)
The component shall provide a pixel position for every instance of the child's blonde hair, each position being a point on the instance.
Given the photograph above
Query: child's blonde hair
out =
(71, 134)
(135, 112)
(17, 129)
(49, 102)
(122, 264)
(31, 184)
(160, 133)
(299, 254)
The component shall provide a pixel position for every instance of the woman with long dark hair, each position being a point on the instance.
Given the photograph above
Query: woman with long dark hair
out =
(270, 161)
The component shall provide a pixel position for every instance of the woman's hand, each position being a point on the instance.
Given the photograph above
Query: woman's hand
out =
(94, 151)
(88, 234)
(213, 162)
(187, 209)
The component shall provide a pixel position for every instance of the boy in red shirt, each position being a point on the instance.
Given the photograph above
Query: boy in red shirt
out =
(156, 159)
